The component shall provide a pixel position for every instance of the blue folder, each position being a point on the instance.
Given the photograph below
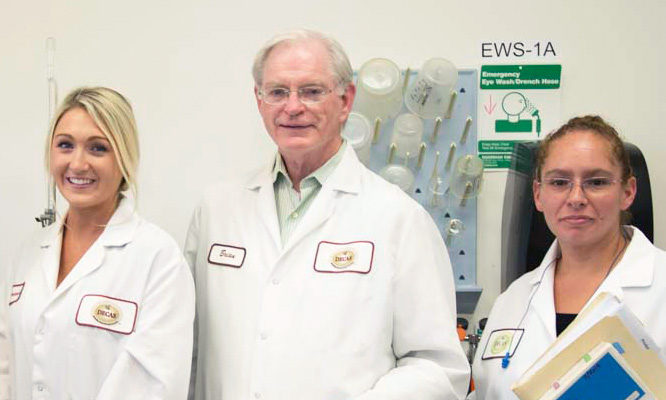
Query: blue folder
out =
(605, 379)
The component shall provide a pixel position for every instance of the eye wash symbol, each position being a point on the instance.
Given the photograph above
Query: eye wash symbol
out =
(515, 104)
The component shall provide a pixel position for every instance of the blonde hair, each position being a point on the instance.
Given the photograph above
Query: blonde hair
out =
(113, 115)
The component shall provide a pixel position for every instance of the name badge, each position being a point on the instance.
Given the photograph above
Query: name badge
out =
(502, 341)
(17, 291)
(108, 313)
(230, 256)
(353, 257)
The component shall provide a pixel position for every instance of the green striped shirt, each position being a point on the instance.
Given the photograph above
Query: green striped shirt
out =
(291, 206)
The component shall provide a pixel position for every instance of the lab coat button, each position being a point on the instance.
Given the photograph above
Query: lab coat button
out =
(294, 215)
(275, 282)
(263, 336)
(40, 388)
(257, 395)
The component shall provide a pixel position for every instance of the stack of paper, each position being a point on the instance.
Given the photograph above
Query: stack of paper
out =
(604, 354)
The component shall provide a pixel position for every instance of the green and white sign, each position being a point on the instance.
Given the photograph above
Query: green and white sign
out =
(518, 103)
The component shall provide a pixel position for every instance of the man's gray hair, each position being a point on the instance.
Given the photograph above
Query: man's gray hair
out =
(340, 65)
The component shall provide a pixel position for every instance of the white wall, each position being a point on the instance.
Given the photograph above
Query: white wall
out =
(186, 68)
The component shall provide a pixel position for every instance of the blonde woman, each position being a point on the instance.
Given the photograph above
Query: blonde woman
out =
(102, 302)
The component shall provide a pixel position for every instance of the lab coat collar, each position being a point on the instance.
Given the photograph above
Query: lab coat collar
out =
(261, 178)
(548, 262)
(118, 232)
(542, 297)
(50, 246)
(262, 183)
(346, 177)
(121, 227)
(636, 267)
(639, 252)
(51, 233)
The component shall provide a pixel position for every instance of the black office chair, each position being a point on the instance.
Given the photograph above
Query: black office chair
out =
(525, 235)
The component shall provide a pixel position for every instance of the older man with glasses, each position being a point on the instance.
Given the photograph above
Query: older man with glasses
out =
(315, 278)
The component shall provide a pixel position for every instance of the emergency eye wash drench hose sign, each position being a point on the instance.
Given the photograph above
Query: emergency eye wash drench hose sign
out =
(519, 102)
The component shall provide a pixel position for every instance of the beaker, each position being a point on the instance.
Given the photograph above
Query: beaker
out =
(399, 175)
(454, 230)
(437, 192)
(407, 135)
(430, 93)
(358, 133)
(466, 177)
(379, 92)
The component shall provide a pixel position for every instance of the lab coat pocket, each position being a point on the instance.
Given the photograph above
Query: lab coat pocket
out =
(104, 324)
(93, 353)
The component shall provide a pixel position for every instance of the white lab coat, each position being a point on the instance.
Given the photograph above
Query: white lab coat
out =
(60, 351)
(279, 322)
(639, 280)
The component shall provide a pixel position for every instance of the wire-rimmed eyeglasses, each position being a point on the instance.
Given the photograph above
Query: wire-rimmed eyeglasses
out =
(589, 186)
(311, 94)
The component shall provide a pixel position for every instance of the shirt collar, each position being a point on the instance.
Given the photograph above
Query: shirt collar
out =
(320, 174)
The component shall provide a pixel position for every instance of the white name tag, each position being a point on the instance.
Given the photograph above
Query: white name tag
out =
(17, 291)
(109, 313)
(502, 341)
(344, 257)
(222, 254)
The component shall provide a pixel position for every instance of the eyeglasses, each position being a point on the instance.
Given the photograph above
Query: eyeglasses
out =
(589, 186)
(306, 94)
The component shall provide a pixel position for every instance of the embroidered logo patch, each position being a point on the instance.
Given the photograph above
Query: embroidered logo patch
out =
(108, 313)
(502, 341)
(354, 257)
(342, 259)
